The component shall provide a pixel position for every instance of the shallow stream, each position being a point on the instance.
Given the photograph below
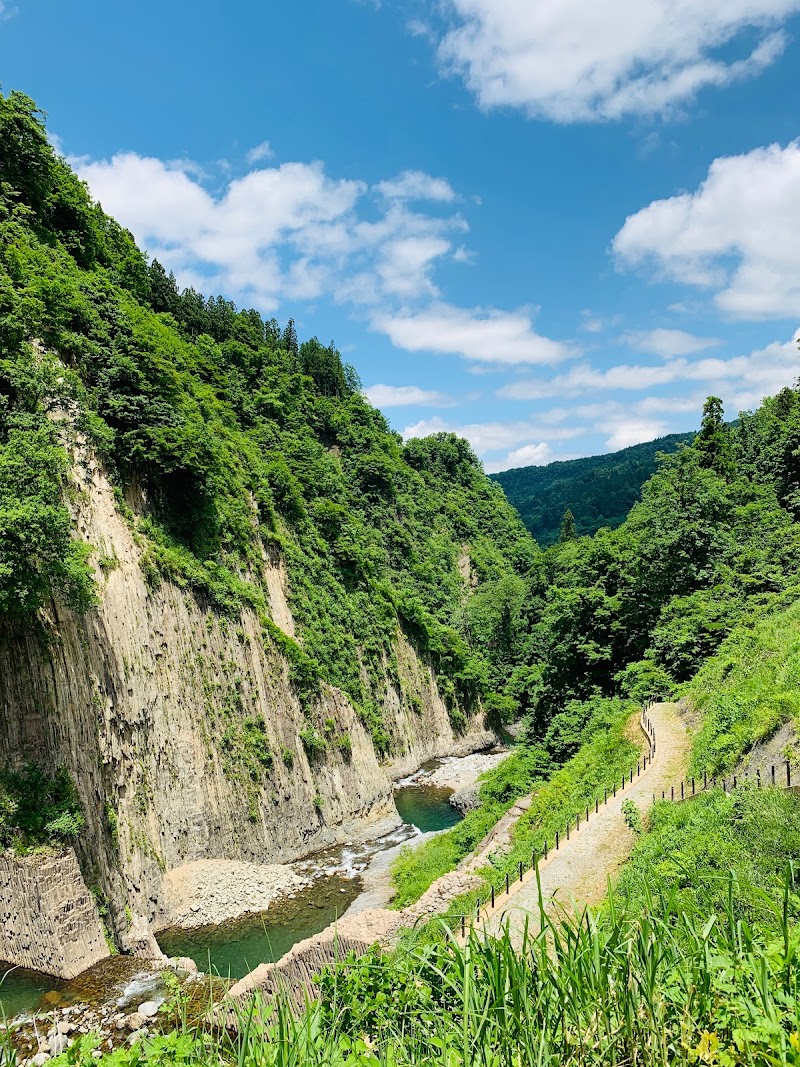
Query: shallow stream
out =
(234, 948)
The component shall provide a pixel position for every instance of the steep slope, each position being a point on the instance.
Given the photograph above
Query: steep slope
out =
(598, 490)
(232, 603)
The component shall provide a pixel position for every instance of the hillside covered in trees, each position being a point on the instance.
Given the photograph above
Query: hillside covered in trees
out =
(249, 442)
(231, 444)
(598, 490)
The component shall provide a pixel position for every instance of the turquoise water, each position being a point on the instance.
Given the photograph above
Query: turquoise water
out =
(26, 991)
(427, 807)
(234, 948)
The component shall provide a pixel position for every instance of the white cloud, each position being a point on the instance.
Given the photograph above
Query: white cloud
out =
(669, 343)
(764, 370)
(416, 185)
(260, 152)
(736, 234)
(514, 439)
(486, 335)
(287, 231)
(580, 60)
(526, 456)
(397, 396)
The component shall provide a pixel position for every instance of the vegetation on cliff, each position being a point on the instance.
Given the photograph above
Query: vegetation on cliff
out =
(233, 444)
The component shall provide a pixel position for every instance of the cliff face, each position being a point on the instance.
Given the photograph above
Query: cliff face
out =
(182, 730)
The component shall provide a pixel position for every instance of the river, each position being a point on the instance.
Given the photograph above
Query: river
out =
(234, 948)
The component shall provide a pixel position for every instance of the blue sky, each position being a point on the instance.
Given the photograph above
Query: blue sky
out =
(552, 225)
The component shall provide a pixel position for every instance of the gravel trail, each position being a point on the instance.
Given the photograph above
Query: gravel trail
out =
(580, 870)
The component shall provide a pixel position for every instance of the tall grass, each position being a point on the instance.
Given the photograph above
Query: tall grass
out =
(616, 989)
(747, 690)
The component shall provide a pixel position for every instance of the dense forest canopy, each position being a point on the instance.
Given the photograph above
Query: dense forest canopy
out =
(249, 443)
(597, 490)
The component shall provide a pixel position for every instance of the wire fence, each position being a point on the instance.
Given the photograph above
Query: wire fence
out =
(778, 776)
(486, 904)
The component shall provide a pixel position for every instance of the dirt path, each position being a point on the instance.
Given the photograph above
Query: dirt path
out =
(580, 870)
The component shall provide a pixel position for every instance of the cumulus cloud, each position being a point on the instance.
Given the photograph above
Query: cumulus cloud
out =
(735, 235)
(526, 456)
(668, 343)
(485, 335)
(288, 231)
(416, 185)
(762, 371)
(579, 60)
(398, 396)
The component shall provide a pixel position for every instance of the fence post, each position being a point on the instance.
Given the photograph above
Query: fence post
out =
(506, 883)
(492, 898)
(788, 774)
(705, 780)
(545, 849)
(478, 912)
(692, 786)
(615, 788)
(520, 870)
(556, 840)
(463, 931)
(682, 791)
(672, 792)
(734, 781)
(638, 769)
(605, 796)
(773, 774)
(587, 813)
(758, 776)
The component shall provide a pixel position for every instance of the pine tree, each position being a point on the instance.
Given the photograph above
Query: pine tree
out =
(289, 339)
(568, 531)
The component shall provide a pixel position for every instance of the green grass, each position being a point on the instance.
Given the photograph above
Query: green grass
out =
(598, 765)
(663, 988)
(747, 690)
(692, 850)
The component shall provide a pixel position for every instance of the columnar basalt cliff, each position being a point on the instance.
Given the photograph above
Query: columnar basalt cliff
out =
(48, 918)
(139, 697)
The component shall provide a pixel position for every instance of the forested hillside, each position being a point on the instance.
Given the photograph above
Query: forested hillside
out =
(240, 454)
(243, 442)
(230, 442)
(597, 490)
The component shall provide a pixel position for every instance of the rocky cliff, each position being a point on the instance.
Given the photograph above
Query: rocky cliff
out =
(182, 730)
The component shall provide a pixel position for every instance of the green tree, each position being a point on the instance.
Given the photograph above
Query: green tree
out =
(567, 531)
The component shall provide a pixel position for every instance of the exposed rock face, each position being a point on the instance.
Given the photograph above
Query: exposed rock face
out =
(48, 918)
(136, 698)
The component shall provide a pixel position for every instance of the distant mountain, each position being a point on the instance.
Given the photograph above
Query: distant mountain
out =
(598, 490)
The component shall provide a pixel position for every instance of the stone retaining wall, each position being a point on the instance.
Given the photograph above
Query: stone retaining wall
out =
(48, 918)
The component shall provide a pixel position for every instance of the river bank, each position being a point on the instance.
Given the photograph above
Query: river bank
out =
(231, 916)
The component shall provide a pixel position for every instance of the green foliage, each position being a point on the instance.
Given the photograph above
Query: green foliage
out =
(693, 850)
(632, 816)
(748, 690)
(597, 491)
(661, 988)
(37, 810)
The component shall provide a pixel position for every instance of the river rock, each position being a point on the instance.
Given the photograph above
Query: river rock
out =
(466, 799)
(135, 1021)
(58, 1044)
(39, 1059)
(150, 1008)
